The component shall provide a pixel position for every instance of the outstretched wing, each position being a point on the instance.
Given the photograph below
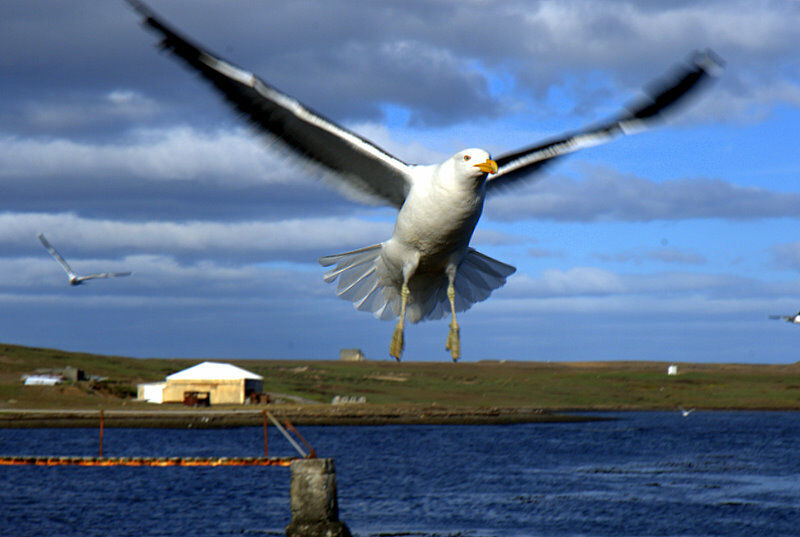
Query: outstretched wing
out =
(357, 162)
(55, 254)
(104, 275)
(661, 95)
(788, 318)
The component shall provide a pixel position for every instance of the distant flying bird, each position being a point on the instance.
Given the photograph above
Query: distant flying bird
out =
(427, 268)
(75, 279)
(684, 412)
(788, 318)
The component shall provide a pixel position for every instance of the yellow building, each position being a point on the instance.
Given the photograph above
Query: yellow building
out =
(218, 383)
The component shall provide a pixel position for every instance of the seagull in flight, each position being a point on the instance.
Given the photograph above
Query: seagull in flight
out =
(685, 412)
(788, 318)
(426, 269)
(75, 279)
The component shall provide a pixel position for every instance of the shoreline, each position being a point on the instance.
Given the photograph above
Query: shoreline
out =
(300, 415)
(324, 415)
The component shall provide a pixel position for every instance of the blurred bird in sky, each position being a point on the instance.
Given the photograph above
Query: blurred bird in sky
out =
(788, 318)
(75, 279)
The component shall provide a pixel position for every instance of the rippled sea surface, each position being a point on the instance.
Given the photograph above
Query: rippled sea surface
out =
(643, 474)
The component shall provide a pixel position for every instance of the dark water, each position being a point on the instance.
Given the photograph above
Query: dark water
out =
(645, 474)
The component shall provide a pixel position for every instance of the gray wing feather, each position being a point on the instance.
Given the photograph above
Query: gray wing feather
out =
(105, 275)
(55, 254)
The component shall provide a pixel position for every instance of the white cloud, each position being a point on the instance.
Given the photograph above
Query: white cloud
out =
(568, 44)
(171, 154)
(537, 253)
(212, 239)
(76, 112)
(592, 281)
(606, 195)
(664, 255)
(411, 152)
(159, 279)
(649, 296)
(652, 309)
(493, 237)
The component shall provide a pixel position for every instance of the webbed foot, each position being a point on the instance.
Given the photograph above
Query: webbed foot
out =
(398, 343)
(454, 341)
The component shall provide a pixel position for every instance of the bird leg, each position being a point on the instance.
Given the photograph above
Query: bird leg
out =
(398, 342)
(453, 337)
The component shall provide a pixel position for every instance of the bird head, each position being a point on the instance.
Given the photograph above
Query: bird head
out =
(474, 163)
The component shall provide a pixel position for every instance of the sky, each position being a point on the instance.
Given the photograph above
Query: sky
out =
(675, 244)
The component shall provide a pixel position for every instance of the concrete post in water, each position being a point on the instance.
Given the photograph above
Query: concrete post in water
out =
(315, 509)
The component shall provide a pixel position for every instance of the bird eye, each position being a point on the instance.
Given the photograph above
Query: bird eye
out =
(467, 157)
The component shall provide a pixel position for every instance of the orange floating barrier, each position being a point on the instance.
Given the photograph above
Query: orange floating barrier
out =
(145, 461)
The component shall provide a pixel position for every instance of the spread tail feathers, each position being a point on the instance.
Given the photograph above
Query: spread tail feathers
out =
(359, 280)
(363, 280)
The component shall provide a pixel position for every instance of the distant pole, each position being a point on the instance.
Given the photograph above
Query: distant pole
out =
(101, 432)
(266, 451)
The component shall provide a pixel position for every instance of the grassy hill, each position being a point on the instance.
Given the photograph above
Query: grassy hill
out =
(552, 386)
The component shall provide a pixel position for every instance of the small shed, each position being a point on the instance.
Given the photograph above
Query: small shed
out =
(152, 392)
(351, 355)
(224, 383)
(73, 373)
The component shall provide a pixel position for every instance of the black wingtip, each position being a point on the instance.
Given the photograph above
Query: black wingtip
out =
(149, 18)
(170, 40)
(686, 79)
(140, 7)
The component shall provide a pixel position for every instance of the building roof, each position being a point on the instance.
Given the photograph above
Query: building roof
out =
(214, 371)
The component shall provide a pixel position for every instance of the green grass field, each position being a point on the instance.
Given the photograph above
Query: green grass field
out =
(552, 386)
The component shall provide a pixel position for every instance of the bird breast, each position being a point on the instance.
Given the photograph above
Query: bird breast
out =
(438, 219)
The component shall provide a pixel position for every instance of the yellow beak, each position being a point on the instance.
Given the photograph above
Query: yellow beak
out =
(489, 166)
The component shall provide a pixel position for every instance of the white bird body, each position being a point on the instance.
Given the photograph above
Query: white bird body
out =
(427, 264)
(440, 213)
(429, 244)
